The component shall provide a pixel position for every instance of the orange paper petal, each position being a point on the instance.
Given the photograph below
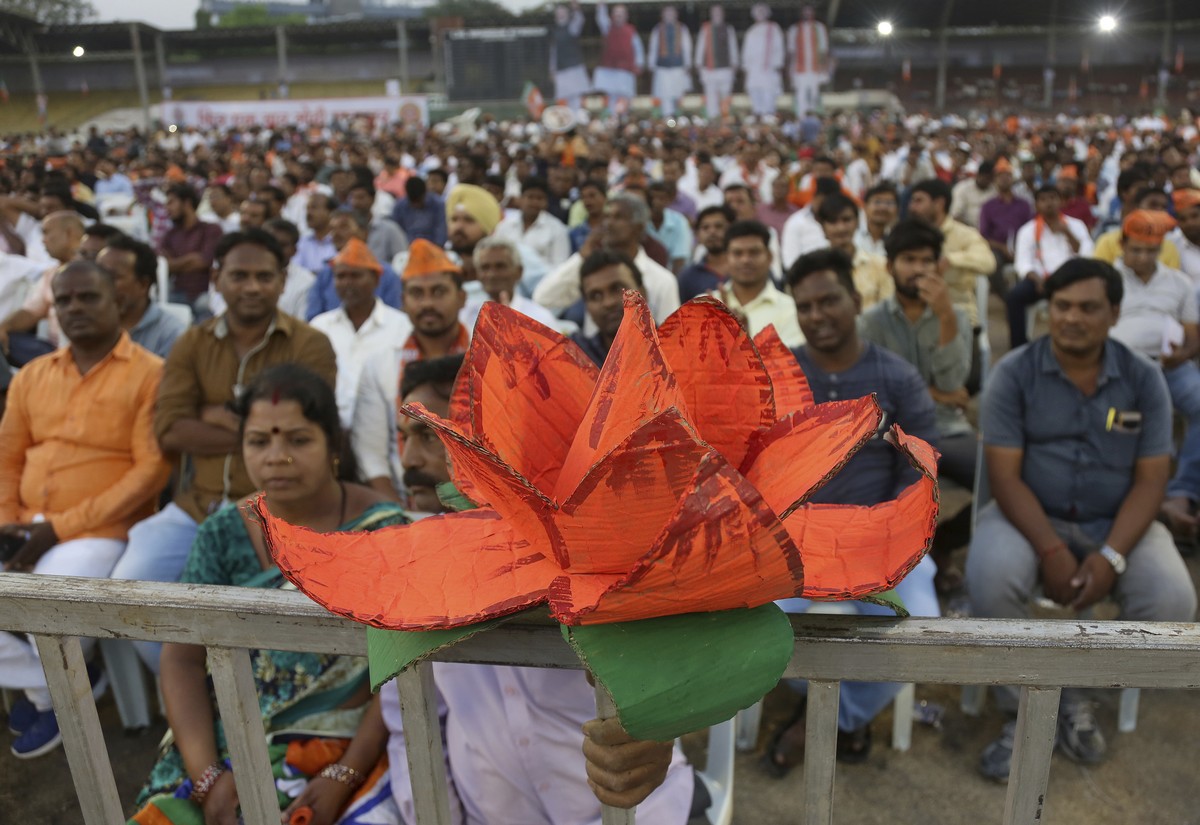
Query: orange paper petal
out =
(850, 552)
(791, 388)
(793, 459)
(720, 373)
(635, 386)
(722, 549)
(496, 484)
(620, 508)
(528, 390)
(439, 572)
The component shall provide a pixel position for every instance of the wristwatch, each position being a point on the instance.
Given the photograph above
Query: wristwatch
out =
(1114, 558)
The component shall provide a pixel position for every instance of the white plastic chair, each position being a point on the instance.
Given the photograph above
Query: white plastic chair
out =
(163, 280)
(983, 292)
(717, 775)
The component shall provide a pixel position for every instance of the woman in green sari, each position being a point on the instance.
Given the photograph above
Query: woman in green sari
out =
(311, 704)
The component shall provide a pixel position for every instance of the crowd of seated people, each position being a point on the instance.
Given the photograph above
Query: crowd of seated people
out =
(259, 331)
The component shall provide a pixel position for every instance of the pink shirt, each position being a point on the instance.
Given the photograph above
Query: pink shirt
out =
(513, 742)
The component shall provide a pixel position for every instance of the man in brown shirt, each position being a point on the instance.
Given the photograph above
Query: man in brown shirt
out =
(207, 368)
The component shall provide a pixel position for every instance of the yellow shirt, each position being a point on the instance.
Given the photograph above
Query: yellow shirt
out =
(80, 449)
(871, 278)
(1108, 249)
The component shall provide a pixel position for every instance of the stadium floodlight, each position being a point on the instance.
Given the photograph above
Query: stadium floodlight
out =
(885, 28)
(1107, 23)
(77, 51)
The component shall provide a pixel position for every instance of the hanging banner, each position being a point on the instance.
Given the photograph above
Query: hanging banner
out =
(224, 114)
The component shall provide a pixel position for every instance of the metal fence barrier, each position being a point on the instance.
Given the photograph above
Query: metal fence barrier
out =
(1041, 657)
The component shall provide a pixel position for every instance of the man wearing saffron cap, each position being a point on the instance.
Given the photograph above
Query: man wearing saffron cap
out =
(622, 58)
(1075, 205)
(433, 299)
(1159, 319)
(1186, 236)
(322, 296)
(670, 56)
(363, 325)
(1002, 216)
(762, 59)
(715, 57)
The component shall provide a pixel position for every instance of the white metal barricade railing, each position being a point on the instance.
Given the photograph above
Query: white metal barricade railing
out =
(1039, 656)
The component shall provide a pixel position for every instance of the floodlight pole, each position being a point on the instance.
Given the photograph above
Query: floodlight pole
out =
(832, 13)
(139, 71)
(35, 70)
(160, 59)
(1051, 57)
(402, 40)
(943, 55)
(1165, 60)
(281, 47)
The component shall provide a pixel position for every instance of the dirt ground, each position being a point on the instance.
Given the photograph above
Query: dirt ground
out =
(1150, 777)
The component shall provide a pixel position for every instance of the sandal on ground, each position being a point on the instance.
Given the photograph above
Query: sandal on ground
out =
(786, 748)
(854, 746)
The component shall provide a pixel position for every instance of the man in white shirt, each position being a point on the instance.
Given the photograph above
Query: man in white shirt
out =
(749, 291)
(702, 186)
(1186, 236)
(1042, 246)
(218, 208)
(624, 226)
(535, 227)
(498, 268)
(715, 57)
(808, 47)
(1159, 319)
(363, 325)
(969, 196)
(803, 233)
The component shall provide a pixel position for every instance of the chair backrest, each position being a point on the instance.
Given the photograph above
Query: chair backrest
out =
(983, 292)
(163, 280)
(181, 311)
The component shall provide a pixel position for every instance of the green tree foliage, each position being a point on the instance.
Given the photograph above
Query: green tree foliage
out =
(483, 10)
(52, 11)
(255, 14)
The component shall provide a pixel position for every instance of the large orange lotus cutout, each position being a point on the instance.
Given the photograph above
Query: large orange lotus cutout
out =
(673, 480)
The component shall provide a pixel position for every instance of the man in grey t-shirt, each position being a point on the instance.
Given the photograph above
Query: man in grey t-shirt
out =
(1077, 439)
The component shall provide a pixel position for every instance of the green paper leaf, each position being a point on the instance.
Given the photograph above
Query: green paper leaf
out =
(391, 651)
(677, 674)
(449, 496)
(889, 599)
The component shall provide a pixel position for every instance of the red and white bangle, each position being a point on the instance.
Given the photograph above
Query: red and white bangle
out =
(344, 774)
(203, 785)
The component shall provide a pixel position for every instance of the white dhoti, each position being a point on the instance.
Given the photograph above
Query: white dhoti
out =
(570, 85)
(807, 86)
(718, 86)
(618, 84)
(764, 89)
(670, 84)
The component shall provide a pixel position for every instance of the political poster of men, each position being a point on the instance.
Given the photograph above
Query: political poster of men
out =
(808, 51)
(762, 60)
(670, 56)
(621, 59)
(571, 79)
(716, 59)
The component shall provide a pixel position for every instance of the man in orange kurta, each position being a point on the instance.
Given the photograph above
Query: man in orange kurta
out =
(79, 465)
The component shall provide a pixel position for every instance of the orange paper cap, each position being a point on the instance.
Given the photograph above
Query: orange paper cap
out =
(1069, 172)
(1147, 226)
(1185, 199)
(425, 258)
(357, 255)
(1002, 165)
